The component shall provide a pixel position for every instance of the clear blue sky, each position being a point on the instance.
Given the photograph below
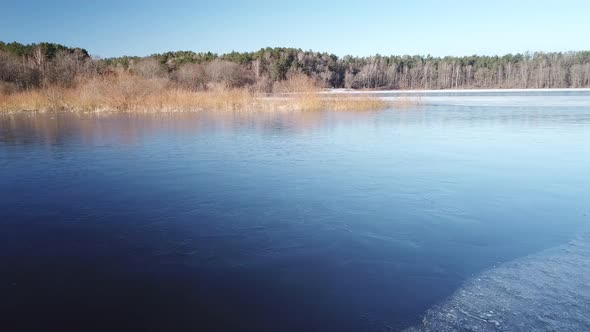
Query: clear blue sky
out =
(128, 27)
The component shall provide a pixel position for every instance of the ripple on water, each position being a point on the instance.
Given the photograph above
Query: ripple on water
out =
(548, 291)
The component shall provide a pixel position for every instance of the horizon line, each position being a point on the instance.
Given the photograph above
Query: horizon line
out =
(401, 54)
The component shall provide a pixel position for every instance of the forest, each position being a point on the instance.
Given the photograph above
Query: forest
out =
(37, 65)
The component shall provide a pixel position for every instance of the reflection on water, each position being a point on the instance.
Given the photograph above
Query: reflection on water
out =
(129, 128)
(277, 221)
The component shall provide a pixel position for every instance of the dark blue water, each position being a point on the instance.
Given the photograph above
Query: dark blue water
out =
(306, 221)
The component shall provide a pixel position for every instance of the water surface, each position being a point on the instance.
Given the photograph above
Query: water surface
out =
(290, 221)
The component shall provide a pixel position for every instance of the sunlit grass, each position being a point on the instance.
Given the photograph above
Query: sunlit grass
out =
(130, 93)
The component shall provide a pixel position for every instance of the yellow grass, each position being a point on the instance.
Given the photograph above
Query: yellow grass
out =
(130, 93)
(353, 103)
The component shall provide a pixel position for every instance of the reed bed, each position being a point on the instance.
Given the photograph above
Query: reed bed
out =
(129, 93)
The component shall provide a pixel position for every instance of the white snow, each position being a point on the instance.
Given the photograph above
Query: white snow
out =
(468, 91)
(484, 98)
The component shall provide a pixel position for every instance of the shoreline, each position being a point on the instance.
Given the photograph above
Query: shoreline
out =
(116, 96)
(516, 90)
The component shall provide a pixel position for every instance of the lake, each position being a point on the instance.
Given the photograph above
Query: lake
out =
(287, 221)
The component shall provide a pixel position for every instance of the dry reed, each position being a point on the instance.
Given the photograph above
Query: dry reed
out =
(125, 92)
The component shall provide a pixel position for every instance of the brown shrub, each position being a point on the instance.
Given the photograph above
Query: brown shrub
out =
(229, 74)
(7, 88)
(149, 68)
(296, 83)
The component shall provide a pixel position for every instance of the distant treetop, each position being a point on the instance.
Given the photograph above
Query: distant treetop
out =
(50, 50)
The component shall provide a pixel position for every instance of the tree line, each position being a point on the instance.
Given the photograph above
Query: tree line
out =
(37, 65)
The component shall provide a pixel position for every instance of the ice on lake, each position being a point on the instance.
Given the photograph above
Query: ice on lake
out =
(548, 291)
(485, 97)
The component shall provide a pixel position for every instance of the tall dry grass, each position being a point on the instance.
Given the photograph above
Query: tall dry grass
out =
(131, 93)
(126, 92)
(303, 93)
(355, 103)
(299, 92)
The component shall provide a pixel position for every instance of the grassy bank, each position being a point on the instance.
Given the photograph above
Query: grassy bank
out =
(136, 94)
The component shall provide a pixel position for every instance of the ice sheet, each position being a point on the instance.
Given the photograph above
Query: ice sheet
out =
(549, 291)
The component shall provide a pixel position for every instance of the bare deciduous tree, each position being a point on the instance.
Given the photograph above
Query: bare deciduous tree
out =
(149, 68)
(192, 77)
